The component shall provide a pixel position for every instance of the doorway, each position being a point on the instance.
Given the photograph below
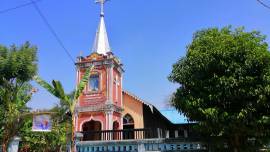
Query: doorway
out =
(128, 126)
(91, 130)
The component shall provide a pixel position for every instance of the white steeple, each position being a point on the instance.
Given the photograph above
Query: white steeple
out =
(101, 43)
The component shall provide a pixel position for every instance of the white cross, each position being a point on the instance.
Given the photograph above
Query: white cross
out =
(102, 2)
(117, 83)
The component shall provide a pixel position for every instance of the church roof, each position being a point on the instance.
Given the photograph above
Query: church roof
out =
(139, 99)
(174, 116)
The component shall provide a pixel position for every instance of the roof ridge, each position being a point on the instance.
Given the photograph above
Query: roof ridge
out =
(139, 99)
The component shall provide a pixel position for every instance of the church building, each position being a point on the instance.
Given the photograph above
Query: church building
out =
(104, 104)
(111, 119)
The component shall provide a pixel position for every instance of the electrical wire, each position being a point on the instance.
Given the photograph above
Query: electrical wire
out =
(17, 7)
(52, 30)
(263, 4)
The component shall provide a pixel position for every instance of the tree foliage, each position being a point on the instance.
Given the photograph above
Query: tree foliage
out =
(225, 85)
(17, 67)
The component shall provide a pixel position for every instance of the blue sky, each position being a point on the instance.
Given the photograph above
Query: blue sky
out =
(148, 36)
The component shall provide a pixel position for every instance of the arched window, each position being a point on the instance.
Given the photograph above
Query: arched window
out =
(128, 126)
(94, 82)
(128, 120)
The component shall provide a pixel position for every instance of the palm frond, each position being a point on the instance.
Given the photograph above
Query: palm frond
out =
(45, 85)
(80, 87)
(55, 89)
(61, 93)
(83, 82)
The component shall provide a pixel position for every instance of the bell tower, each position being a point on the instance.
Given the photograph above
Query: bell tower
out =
(100, 106)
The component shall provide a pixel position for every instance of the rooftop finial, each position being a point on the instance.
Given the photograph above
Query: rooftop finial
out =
(102, 2)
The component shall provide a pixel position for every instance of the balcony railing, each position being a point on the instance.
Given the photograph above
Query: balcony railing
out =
(119, 134)
(127, 134)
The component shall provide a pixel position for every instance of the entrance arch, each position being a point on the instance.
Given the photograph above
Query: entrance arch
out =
(128, 126)
(91, 130)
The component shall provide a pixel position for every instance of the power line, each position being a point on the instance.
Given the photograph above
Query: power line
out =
(263, 4)
(52, 30)
(17, 7)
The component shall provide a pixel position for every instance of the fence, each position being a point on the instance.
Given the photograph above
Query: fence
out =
(144, 145)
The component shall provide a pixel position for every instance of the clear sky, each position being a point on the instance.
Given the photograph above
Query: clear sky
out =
(147, 35)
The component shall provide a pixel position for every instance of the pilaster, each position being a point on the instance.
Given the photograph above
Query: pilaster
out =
(109, 120)
(110, 84)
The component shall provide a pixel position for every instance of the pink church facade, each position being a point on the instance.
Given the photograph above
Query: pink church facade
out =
(101, 101)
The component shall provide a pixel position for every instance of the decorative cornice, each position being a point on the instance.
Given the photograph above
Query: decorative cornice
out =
(100, 107)
(106, 62)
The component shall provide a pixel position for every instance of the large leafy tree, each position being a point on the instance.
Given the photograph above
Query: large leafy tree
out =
(225, 86)
(17, 67)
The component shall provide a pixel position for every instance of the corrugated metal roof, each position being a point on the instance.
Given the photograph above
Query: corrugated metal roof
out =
(174, 116)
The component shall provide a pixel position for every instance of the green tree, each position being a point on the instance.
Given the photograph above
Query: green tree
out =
(17, 67)
(225, 86)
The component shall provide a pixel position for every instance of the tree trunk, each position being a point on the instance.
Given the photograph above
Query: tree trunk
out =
(4, 146)
(236, 143)
(73, 135)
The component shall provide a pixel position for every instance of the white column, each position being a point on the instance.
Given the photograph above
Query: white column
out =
(109, 124)
(110, 118)
(106, 121)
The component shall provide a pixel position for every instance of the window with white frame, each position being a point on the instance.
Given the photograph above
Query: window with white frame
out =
(94, 82)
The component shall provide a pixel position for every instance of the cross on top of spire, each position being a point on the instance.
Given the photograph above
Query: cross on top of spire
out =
(101, 43)
(102, 2)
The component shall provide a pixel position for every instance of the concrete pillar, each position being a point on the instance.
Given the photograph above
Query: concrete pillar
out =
(167, 133)
(14, 144)
(141, 147)
(185, 133)
(176, 135)
(159, 133)
(78, 138)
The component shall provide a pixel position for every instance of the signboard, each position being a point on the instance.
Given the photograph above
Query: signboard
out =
(42, 122)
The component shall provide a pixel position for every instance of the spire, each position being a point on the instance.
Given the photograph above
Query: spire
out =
(101, 43)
